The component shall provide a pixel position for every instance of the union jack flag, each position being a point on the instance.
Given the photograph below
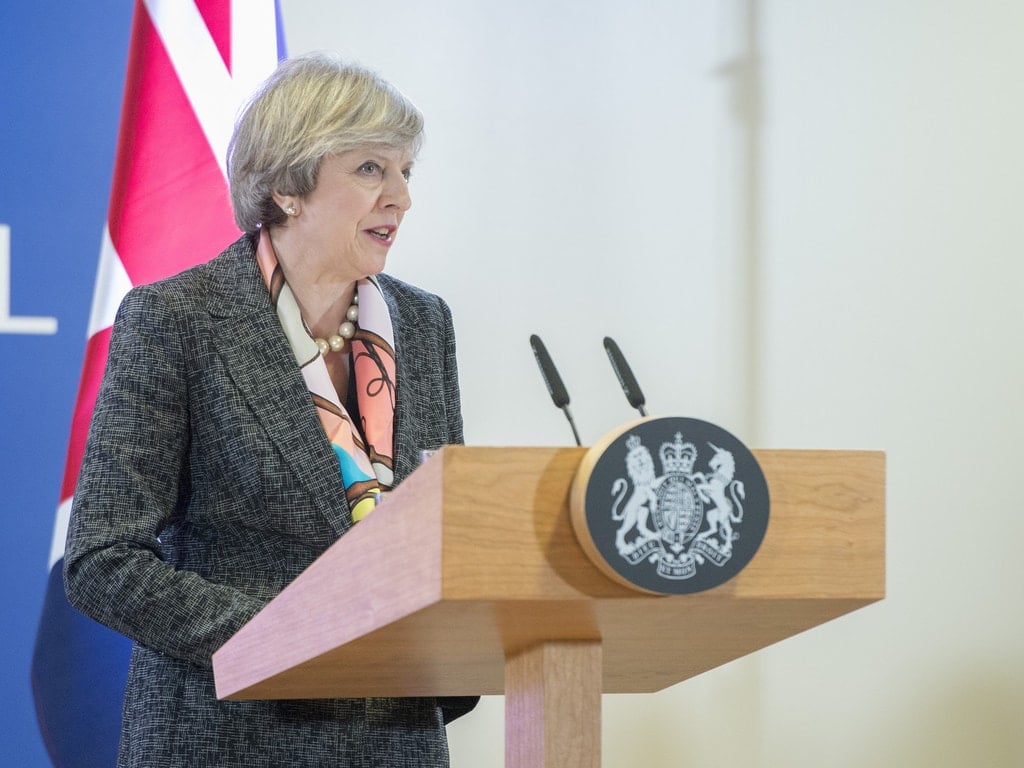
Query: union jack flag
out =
(191, 66)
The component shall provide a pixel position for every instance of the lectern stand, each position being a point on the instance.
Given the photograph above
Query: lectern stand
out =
(469, 580)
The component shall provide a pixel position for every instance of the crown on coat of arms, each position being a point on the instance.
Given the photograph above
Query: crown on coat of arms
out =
(678, 457)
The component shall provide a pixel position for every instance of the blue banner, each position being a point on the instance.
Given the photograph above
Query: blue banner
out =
(61, 78)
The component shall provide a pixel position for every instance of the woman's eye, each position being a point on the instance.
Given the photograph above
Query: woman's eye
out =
(407, 174)
(369, 167)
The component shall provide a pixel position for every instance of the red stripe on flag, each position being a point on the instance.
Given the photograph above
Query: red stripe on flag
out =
(169, 205)
(92, 373)
(217, 15)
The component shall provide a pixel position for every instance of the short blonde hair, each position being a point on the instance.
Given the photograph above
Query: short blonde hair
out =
(313, 106)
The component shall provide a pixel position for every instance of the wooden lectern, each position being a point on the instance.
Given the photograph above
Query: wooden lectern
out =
(468, 579)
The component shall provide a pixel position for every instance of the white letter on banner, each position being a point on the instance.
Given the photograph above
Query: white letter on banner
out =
(8, 324)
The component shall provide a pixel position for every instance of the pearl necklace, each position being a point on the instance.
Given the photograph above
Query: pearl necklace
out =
(346, 330)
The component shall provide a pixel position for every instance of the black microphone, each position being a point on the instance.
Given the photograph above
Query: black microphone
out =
(625, 374)
(559, 395)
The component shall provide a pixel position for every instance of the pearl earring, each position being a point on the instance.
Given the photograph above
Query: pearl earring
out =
(290, 210)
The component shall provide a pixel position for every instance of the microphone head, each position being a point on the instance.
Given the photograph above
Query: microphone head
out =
(624, 373)
(556, 388)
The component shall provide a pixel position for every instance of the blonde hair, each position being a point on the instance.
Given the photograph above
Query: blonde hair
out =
(313, 106)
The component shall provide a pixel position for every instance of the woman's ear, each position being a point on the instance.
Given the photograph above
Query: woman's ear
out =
(287, 203)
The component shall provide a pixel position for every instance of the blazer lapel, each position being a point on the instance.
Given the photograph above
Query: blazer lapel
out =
(406, 454)
(265, 372)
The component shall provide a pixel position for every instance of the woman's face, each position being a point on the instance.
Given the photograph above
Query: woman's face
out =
(347, 224)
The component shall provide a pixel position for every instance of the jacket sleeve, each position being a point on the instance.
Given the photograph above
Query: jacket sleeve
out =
(132, 481)
(452, 398)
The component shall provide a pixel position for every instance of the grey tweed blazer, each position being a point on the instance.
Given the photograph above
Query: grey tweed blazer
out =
(207, 486)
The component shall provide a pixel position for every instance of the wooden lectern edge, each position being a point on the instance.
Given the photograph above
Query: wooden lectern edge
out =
(701, 637)
(810, 607)
(318, 611)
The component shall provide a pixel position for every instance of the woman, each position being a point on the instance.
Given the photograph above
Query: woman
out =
(253, 409)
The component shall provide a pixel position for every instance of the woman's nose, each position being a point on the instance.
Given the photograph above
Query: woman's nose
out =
(396, 193)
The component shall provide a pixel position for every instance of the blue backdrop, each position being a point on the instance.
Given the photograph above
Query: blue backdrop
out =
(61, 80)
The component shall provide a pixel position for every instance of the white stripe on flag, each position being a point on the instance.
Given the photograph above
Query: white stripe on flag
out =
(60, 532)
(253, 38)
(112, 283)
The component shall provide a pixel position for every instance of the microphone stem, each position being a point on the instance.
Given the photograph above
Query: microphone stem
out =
(572, 424)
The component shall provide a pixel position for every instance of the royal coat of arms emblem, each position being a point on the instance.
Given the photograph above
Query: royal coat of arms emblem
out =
(689, 528)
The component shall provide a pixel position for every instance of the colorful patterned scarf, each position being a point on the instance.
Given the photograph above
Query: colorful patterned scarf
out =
(367, 467)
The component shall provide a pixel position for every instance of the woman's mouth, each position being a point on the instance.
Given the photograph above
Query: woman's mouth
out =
(384, 234)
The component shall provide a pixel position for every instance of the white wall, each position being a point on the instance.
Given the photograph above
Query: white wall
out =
(798, 221)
